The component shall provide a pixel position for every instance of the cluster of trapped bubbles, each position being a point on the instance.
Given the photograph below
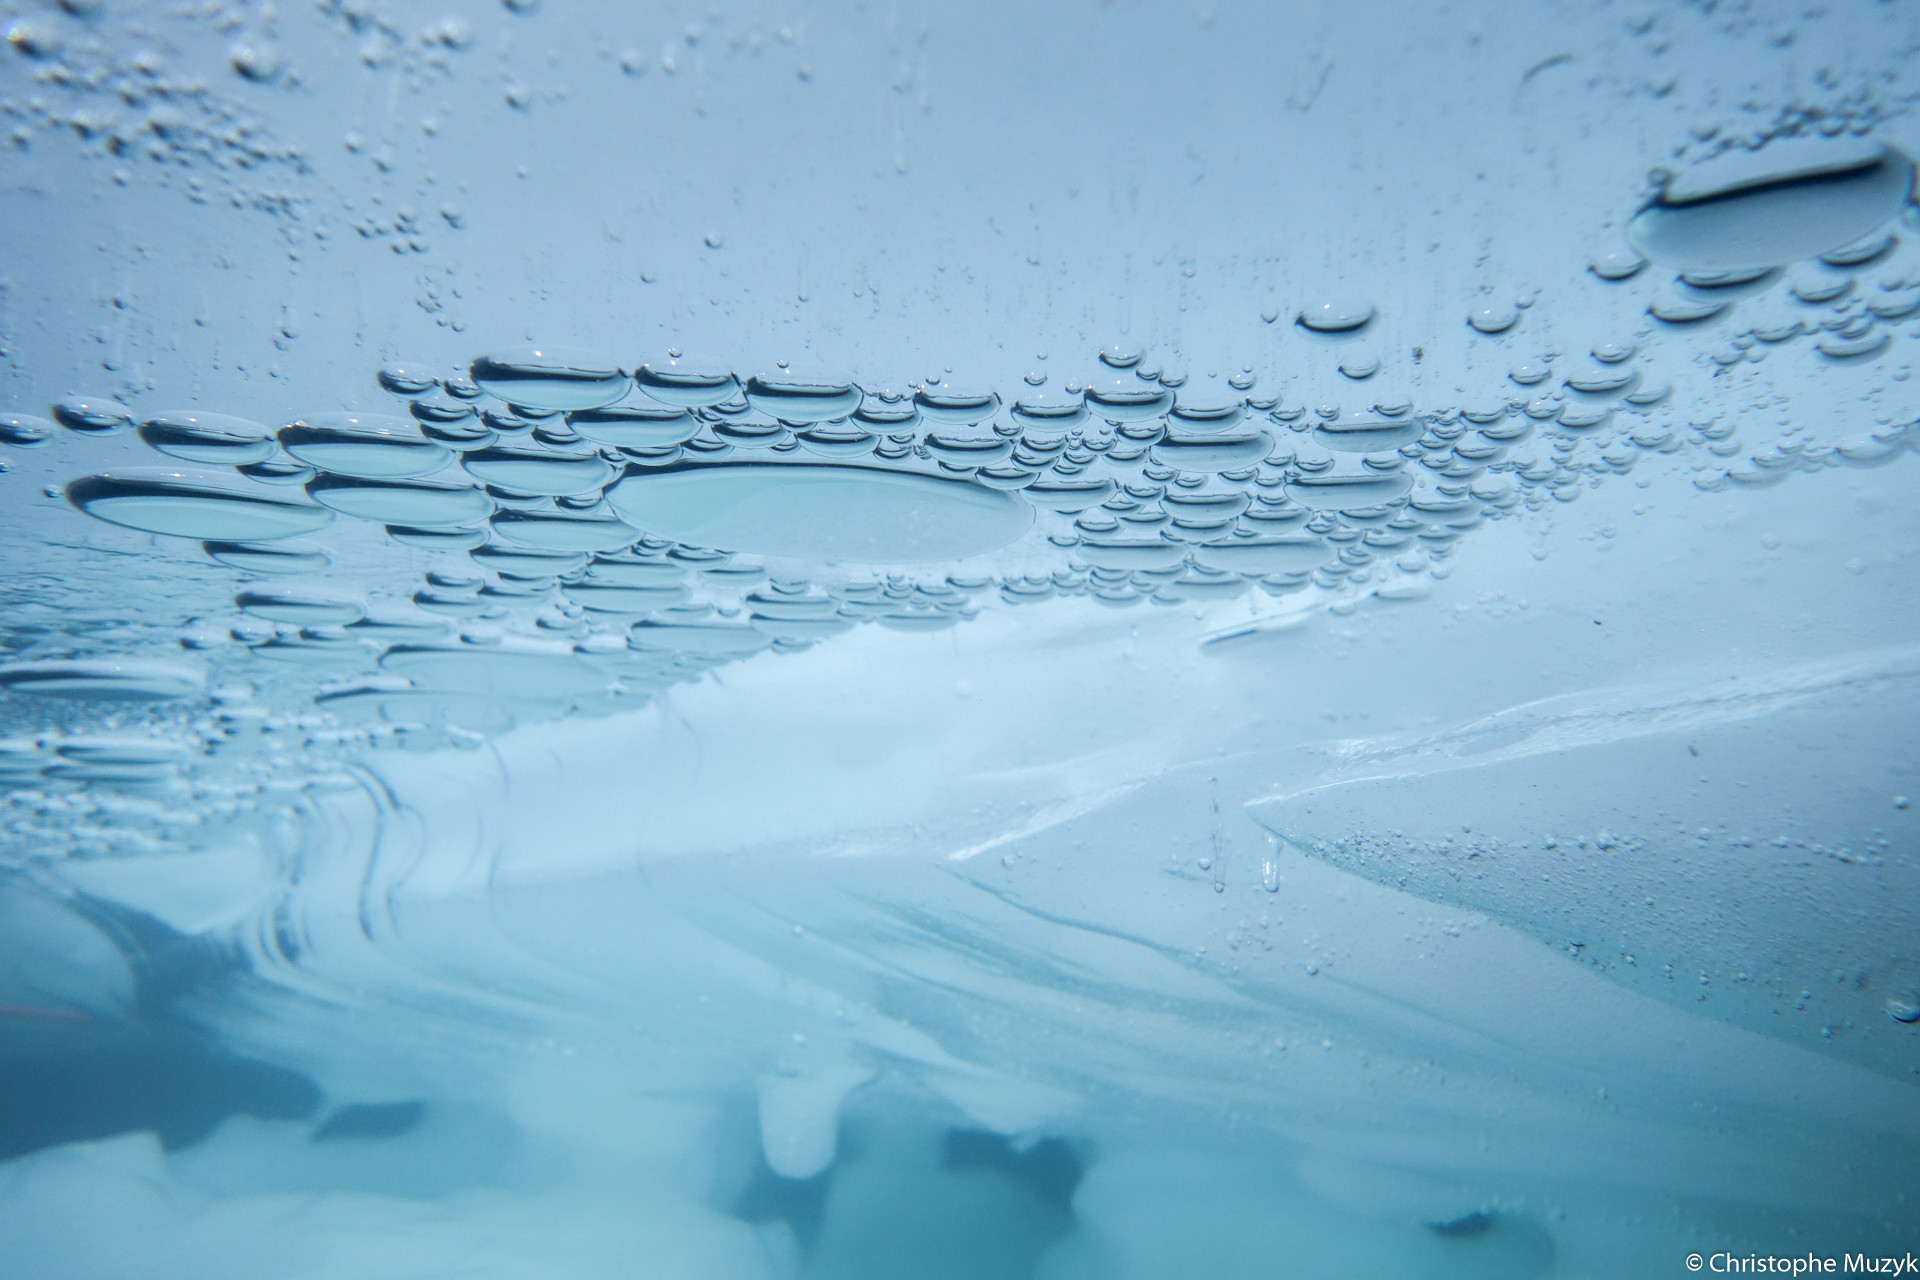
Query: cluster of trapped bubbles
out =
(598, 531)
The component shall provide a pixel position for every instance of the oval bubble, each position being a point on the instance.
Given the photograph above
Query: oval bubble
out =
(821, 512)
(113, 679)
(800, 399)
(540, 471)
(424, 503)
(554, 379)
(1348, 492)
(368, 446)
(625, 426)
(687, 384)
(1368, 437)
(956, 406)
(208, 437)
(212, 506)
(24, 429)
(1298, 553)
(1793, 199)
(555, 531)
(266, 558)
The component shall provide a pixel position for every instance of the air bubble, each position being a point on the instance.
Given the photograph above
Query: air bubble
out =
(956, 406)
(208, 437)
(92, 414)
(538, 471)
(405, 378)
(24, 429)
(367, 446)
(1795, 198)
(1336, 315)
(423, 503)
(821, 512)
(556, 379)
(1617, 264)
(1495, 318)
(195, 504)
(687, 384)
(266, 557)
(1128, 399)
(107, 679)
(802, 400)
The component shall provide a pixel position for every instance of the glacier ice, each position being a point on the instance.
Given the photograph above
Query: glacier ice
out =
(1077, 642)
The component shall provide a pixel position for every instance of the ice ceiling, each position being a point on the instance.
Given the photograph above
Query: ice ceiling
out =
(1228, 636)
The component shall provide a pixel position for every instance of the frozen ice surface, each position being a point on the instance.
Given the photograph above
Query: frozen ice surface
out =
(1081, 641)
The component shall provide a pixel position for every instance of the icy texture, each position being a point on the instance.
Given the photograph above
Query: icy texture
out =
(1081, 643)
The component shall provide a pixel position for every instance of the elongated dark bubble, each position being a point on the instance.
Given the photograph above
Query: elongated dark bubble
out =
(620, 571)
(368, 446)
(1339, 492)
(1131, 553)
(455, 539)
(823, 512)
(421, 503)
(848, 441)
(406, 378)
(1794, 199)
(440, 409)
(1367, 436)
(550, 379)
(24, 429)
(559, 531)
(956, 406)
(716, 639)
(280, 470)
(451, 604)
(603, 597)
(968, 451)
(1198, 450)
(202, 505)
(1049, 410)
(687, 384)
(1206, 413)
(94, 415)
(1067, 495)
(1006, 476)
(266, 557)
(521, 669)
(1264, 556)
(628, 426)
(1603, 380)
(462, 436)
(775, 604)
(107, 679)
(802, 399)
(752, 433)
(527, 563)
(930, 620)
(1205, 506)
(212, 438)
(301, 608)
(1336, 315)
(541, 471)
(883, 416)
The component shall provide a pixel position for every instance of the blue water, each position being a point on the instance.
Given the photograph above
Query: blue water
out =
(875, 640)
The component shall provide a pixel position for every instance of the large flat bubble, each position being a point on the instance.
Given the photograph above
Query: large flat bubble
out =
(206, 505)
(1794, 199)
(836, 513)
